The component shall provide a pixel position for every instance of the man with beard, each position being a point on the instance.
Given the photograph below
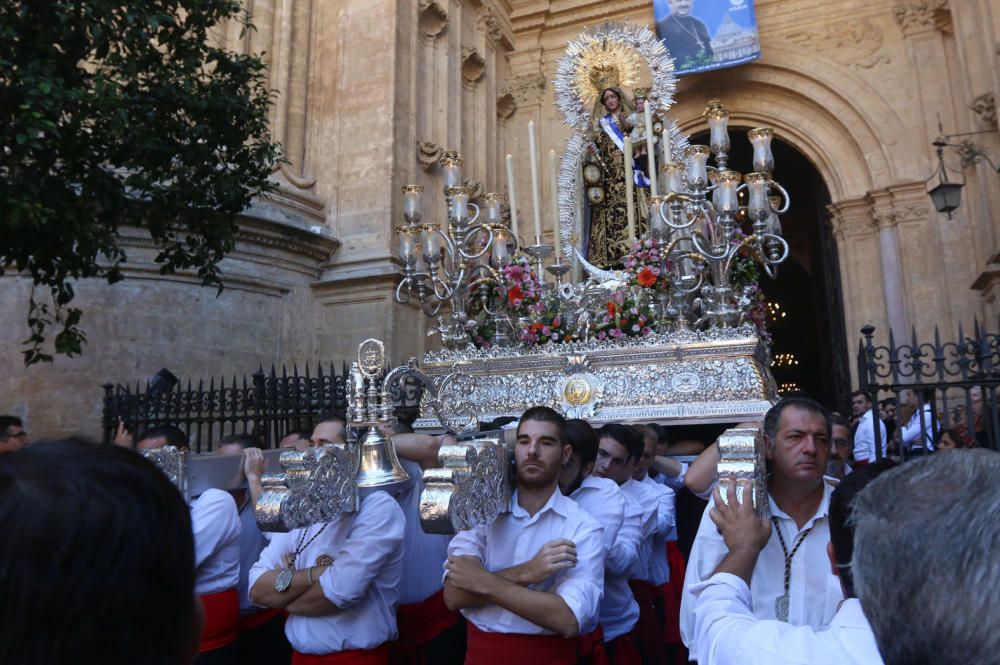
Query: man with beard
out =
(792, 581)
(605, 501)
(513, 623)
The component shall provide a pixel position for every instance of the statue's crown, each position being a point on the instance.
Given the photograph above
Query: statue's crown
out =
(605, 76)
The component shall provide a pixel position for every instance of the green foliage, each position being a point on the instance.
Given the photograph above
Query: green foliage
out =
(118, 113)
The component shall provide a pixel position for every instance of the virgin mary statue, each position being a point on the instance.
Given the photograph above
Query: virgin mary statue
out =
(608, 239)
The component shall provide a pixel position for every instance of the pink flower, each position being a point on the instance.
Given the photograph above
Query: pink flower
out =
(601, 334)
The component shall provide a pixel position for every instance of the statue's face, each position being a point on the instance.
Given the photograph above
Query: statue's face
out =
(680, 7)
(611, 101)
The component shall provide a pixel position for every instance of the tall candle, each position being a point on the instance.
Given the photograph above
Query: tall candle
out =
(554, 185)
(535, 200)
(629, 187)
(512, 193)
(650, 153)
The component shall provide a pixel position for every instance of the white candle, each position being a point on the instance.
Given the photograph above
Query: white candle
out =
(535, 200)
(554, 185)
(512, 194)
(650, 152)
(665, 143)
(629, 186)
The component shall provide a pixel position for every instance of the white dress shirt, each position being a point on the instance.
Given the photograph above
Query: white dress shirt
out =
(864, 438)
(910, 433)
(605, 501)
(216, 525)
(367, 552)
(666, 529)
(252, 543)
(423, 553)
(676, 483)
(728, 633)
(515, 537)
(649, 500)
(814, 592)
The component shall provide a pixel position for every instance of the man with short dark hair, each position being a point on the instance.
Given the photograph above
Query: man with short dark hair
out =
(791, 580)
(98, 559)
(686, 36)
(728, 633)
(161, 435)
(297, 440)
(330, 428)
(508, 622)
(605, 501)
(12, 434)
(864, 435)
(839, 464)
(619, 452)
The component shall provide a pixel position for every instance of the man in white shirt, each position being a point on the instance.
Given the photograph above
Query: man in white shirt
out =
(261, 631)
(339, 583)
(215, 522)
(508, 622)
(605, 501)
(726, 630)
(791, 579)
(916, 434)
(864, 435)
(429, 632)
(619, 449)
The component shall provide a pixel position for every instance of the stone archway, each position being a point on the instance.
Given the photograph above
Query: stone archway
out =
(842, 128)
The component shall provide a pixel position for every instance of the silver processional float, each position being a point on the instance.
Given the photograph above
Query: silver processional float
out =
(675, 334)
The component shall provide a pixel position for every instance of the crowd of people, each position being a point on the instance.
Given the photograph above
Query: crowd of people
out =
(103, 562)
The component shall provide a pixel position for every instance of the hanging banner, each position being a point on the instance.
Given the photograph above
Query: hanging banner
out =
(703, 35)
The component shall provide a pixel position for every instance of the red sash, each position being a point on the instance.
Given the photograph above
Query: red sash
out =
(419, 623)
(257, 619)
(625, 651)
(672, 594)
(505, 648)
(648, 628)
(377, 656)
(590, 648)
(222, 618)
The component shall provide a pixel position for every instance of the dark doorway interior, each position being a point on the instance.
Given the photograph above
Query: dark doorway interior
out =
(809, 348)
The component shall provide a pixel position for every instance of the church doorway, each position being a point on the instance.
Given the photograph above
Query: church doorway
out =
(809, 349)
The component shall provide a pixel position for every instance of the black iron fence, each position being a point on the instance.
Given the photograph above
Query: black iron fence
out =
(266, 405)
(938, 389)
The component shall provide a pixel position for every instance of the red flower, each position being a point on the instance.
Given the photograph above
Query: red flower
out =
(515, 293)
(612, 308)
(646, 277)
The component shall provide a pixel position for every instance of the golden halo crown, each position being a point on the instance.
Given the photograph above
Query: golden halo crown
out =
(641, 93)
(604, 76)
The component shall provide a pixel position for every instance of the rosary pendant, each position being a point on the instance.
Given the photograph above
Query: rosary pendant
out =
(781, 608)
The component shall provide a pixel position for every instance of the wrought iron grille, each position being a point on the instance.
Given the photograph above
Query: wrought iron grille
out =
(957, 380)
(267, 406)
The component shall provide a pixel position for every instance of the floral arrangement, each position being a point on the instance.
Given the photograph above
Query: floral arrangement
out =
(546, 324)
(628, 314)
(646, 267)
(522, 289)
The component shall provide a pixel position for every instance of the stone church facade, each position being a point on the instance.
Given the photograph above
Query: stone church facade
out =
(372, 92)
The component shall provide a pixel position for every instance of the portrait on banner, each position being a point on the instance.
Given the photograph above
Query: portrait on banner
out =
(703, 35)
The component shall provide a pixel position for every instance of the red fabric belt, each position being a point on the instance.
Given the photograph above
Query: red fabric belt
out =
(624, 651)
(257, 619)
(648, 628)
(590, 648)
(421, 622)
(222, 618)
(377, 656)
(672, 594)
(506, 648)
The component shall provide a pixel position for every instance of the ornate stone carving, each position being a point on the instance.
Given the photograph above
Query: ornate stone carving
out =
(986, 108)
(856, 43)
(852, 221)
(490, 25)
(885, 218)
(525, 88)
(915, 16)
(432, 19)
(428, 154)
(473, 65)
(506, 106)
